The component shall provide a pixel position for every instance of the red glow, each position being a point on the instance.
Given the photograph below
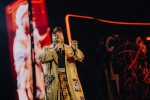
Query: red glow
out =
(148, 38)
(124, 23)
(100, 20)
(43, 30)
(68, 25)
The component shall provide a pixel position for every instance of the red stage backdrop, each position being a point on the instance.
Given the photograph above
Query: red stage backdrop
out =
(19, 44)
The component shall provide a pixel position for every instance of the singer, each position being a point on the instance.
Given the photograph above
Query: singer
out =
(60, 60)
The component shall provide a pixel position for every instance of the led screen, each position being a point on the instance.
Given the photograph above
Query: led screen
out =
(17, 16)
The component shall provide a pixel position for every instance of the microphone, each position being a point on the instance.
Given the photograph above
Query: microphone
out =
(59, 41)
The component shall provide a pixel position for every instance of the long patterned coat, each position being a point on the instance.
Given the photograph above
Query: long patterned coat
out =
(50, 58)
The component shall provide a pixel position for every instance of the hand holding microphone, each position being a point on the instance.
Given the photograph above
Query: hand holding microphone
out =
(59, 46)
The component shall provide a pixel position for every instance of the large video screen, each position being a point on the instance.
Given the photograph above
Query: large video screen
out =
(18, 27)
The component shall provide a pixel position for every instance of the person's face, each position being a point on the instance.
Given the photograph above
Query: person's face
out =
(25, 21)
(58, 36)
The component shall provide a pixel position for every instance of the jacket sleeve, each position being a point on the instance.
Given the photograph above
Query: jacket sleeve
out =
(46, 55)
(76, 55)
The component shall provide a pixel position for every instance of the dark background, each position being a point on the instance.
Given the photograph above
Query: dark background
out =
(87, 32)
